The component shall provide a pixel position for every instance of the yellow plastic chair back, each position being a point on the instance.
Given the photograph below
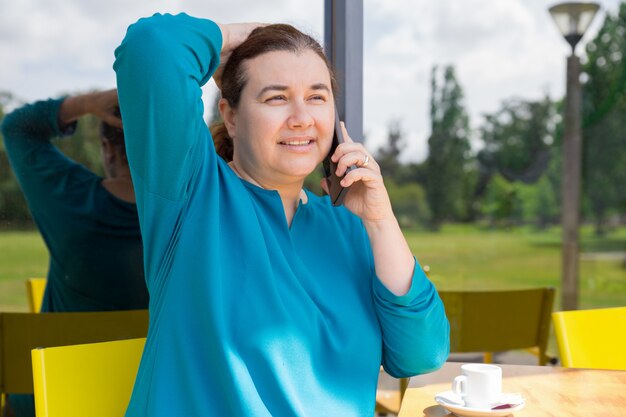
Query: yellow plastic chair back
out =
(94, 380)
(22, 332)
(35, 288)
(495, 321)
(592, 338)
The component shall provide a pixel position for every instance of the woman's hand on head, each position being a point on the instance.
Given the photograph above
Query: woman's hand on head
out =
(368, 197)
(233, 35)
(99, 103)
(102, 104)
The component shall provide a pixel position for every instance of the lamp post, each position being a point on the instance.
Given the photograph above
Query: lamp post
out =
(572, 19)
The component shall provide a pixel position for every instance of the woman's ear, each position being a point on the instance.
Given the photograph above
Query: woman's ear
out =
(228, 116)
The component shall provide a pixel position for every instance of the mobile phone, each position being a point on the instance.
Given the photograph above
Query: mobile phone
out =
(336, 191)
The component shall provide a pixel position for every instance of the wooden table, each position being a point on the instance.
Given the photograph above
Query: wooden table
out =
(548, 391)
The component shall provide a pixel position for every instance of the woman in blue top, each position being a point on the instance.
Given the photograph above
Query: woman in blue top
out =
(88, 223)
(265, 300)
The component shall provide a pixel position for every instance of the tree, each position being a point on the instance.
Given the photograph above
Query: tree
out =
(448, 149)
(388, 154)
(13, 207)
(517, 140)
(604, 115)
(409, 203)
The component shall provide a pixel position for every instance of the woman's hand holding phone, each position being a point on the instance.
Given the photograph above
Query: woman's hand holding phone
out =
(368, 197)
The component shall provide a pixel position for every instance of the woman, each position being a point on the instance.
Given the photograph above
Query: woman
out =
(264, 299)
(88, 223)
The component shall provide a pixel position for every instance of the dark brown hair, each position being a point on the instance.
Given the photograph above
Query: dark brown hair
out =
(113, 134)
(278, 37)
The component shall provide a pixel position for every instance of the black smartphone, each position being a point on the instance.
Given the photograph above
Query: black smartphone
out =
(336, 191)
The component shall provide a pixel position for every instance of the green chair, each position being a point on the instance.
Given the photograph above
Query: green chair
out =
(22, 332)
(592, 338)
(97, 377)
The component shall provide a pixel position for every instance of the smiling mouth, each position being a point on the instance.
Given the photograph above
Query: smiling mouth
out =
(295, 142)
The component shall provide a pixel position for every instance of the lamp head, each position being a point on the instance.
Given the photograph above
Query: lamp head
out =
(573, 19)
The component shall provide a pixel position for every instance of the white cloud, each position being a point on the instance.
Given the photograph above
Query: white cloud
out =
(501, 49)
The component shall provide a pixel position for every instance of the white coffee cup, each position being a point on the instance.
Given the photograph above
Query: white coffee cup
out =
(479, 385)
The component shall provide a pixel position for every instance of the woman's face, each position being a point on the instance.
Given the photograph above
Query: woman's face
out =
(283, 125)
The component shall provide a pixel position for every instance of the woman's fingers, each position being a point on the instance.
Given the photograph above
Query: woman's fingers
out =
(360, 175)
(358, 158)
(233, 34)
(112, 120)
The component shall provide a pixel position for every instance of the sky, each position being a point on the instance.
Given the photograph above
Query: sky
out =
(501, 50)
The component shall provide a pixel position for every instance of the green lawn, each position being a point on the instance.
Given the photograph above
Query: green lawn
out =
(460, 257)
(469, 258)
(22, 255)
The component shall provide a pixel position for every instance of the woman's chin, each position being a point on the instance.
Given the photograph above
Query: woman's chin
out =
(300, 171)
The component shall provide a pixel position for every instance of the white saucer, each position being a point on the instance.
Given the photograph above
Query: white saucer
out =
(455, 404)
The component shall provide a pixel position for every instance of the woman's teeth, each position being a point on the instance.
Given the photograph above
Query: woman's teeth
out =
(296, 142)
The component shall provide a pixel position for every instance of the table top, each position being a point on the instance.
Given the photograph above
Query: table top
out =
(548, 391)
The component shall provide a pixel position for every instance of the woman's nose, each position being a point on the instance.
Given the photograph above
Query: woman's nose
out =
(300, 117)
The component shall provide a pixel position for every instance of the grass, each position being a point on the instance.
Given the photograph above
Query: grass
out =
(461, 257)
(468, 258)
(22, 255)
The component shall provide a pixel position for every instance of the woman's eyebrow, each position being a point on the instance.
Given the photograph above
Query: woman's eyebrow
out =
(279, 87)
(271, 87)
(320, 86)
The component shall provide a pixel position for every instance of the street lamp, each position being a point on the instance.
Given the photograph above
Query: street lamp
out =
(572, 19)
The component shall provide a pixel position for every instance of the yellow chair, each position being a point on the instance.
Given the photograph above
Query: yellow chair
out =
(93, 380)
(488, 322)
(495, 321)
(592, 338)
(22, 332)
(35, 288)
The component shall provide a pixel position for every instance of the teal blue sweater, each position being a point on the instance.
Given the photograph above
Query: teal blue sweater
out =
(249, 317)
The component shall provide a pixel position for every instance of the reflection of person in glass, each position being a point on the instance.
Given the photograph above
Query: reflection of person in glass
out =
(265, 299)
(88, 223)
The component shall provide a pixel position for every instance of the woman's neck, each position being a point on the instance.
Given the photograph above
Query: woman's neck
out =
(290, 193)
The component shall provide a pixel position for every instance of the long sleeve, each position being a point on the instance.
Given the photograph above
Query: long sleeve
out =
(40, 168)
(161, 65)
(415, 330)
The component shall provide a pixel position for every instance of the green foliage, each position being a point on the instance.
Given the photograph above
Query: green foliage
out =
(312, 182)
(13, 208)
(604, 116)
(464, 257)
(409, 203)
(448, 148)
(389, 154)
(543, 205)
(517, 139)
(506, 204)
(500, 201)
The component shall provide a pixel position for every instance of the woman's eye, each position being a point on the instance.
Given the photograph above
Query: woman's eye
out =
(276, 98)
(317, 98)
